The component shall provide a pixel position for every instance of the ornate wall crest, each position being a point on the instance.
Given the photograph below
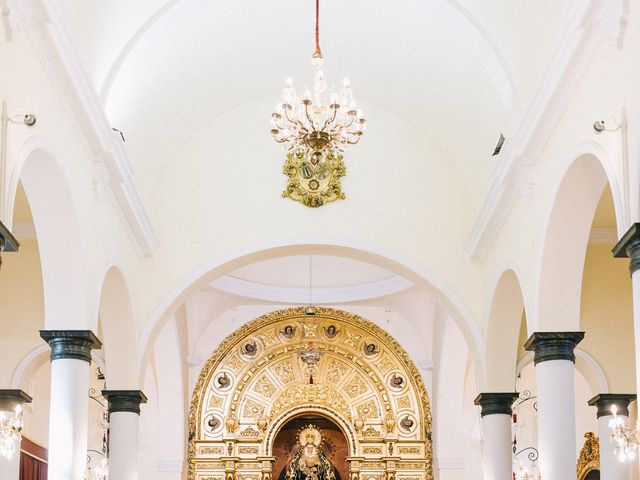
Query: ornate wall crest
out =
(314, 179)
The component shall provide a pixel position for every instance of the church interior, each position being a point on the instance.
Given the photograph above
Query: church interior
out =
(438, 282)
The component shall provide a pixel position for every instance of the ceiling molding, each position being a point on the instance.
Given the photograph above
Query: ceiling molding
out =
(295, 295)
(44, 24)
(522, 151)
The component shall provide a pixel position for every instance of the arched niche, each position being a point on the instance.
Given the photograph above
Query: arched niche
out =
(256, 382)
(287, 443)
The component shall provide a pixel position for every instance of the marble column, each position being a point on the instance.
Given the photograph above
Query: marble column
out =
(629, 247)
(611, 468)
(554, 359)
(496, 434)
(124, 414)
(69, 407)
(9, 401)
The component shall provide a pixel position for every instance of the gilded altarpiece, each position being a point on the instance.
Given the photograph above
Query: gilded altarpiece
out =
(256, 383)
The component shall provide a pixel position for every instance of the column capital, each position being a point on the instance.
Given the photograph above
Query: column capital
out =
(604, 401)
(124, 400)
(9, 399)
(493, 403)
(8, 242)
(553, 345)
(71, 343)
(629, 247)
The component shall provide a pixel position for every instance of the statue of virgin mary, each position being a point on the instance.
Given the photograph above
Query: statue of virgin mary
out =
(310, 463)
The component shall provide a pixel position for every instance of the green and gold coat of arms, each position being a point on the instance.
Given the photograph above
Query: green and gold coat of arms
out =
(314, 178)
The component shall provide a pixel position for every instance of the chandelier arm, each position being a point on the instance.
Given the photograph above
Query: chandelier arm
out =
(306, 112)
(328, 122)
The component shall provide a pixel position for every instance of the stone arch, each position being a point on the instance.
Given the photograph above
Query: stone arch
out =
(55, 219)
(566, 234)
(503, 332)
(116, 318)
(305, 246)
(293, 412)
(361, 379)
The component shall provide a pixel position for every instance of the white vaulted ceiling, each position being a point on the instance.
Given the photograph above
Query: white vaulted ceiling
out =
(461, 72)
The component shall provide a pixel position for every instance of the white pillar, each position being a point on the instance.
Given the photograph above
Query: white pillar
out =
(124, 413)
(69, 407)
(10, 467)
(611, 468)
(9, 400)
(629, 247)
(554, 360)
(496, 434)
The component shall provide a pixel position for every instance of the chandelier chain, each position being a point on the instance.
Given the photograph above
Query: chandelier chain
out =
(318, 50)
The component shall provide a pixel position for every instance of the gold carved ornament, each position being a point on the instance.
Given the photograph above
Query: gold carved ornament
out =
(589, 458)
(314, 179)
(275, 325)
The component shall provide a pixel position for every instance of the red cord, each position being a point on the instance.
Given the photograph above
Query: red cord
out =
(318, 51)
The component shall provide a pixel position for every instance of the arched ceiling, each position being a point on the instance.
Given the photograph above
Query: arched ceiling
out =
(460, 72)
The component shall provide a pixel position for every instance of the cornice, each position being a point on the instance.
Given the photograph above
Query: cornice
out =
(295, 295)
(44, 24)
(524, 149)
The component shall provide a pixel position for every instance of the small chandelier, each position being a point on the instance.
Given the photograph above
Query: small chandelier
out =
(11, 425)
(310, 356)
(626, 440)
(315, 128)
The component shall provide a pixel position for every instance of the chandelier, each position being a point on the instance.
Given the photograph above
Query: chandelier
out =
(315, 128)
(310, 356)
(11, 425)
(626, 440)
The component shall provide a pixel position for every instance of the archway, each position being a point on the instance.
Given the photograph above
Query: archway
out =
(503, 333)
(288, 443)
(301, 363)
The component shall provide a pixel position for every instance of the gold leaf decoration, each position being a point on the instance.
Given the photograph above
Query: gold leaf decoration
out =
(368, 410)
(336, 370)
(264, 387)
(355, 387)
(311, 394)
(284, 371)
(253, 409)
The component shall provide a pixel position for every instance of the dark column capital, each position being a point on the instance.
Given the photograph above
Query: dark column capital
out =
(629, 247)
(553, 346)
(124, 400)
(9, 399)
(605, 401)
(496, 403)
(71, 343)
(8, 242)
